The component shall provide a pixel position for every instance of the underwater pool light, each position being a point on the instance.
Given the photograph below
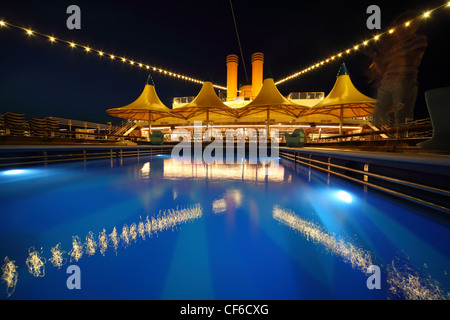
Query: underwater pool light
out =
(13, 171)
(344, 196)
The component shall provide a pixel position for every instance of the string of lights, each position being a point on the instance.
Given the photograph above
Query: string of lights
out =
(356, 47)
(353, 49)
(106, 55)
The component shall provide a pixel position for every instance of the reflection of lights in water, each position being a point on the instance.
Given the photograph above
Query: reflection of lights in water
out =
(344, 196)
(124, 236)
(357, 257)
(57, 256)
(403, 280)
(406, 282)
(10, 276)
(141, 230)
(145, 170)
(219, 206)
(133, 232)
(35, 263)
(90, 245)
(114, 237)
(77, 249)
(177, 169)
(148, 226)
(103, 242)
(166, 220)
(236, 195)
(145, 228)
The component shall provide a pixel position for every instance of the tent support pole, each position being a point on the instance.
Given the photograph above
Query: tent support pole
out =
(149, 127)
(341, 120)
(267, 126)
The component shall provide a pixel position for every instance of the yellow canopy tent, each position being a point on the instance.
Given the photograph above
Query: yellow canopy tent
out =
(268, 100)
(344, 100)
(148, 107)
(207, 104)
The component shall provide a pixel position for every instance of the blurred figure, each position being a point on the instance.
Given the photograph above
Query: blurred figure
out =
(395, 69)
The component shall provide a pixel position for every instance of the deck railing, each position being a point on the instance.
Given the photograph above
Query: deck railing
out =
(417, 129)
(43, 155)
(436, 197)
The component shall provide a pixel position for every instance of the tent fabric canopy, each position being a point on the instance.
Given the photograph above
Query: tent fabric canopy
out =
(344, 100)
(206, 102)
(148, 107)
(269, 98)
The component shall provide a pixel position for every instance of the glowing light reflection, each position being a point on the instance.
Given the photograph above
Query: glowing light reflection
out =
(145, 170)
(102, 242)
(57, 258)
(403, 279)
(177, 169)
(359, 258)
(90, 244)
(77, 249)
(10, 276)
(219, 206)
(35, 263)
(165, 220)
(406, 282)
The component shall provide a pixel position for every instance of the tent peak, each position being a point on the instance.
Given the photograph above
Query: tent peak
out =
(268, 74)
(207, 78)
(150, 80)
(343, 70)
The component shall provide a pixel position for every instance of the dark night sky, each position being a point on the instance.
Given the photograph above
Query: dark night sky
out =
(41, 79)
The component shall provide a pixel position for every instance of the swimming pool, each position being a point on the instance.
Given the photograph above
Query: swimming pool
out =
(153, 227)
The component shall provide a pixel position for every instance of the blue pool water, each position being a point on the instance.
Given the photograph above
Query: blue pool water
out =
(155, 228)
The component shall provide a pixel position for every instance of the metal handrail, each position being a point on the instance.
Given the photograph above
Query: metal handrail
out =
(308, 161)
(82, 155)
(62, 132)
(82, 124)
(124, 125)
(375, 175)
(306, 95)
(419, 126)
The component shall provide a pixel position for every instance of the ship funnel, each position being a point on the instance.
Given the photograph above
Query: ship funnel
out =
(257, 72)
(232, 76)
